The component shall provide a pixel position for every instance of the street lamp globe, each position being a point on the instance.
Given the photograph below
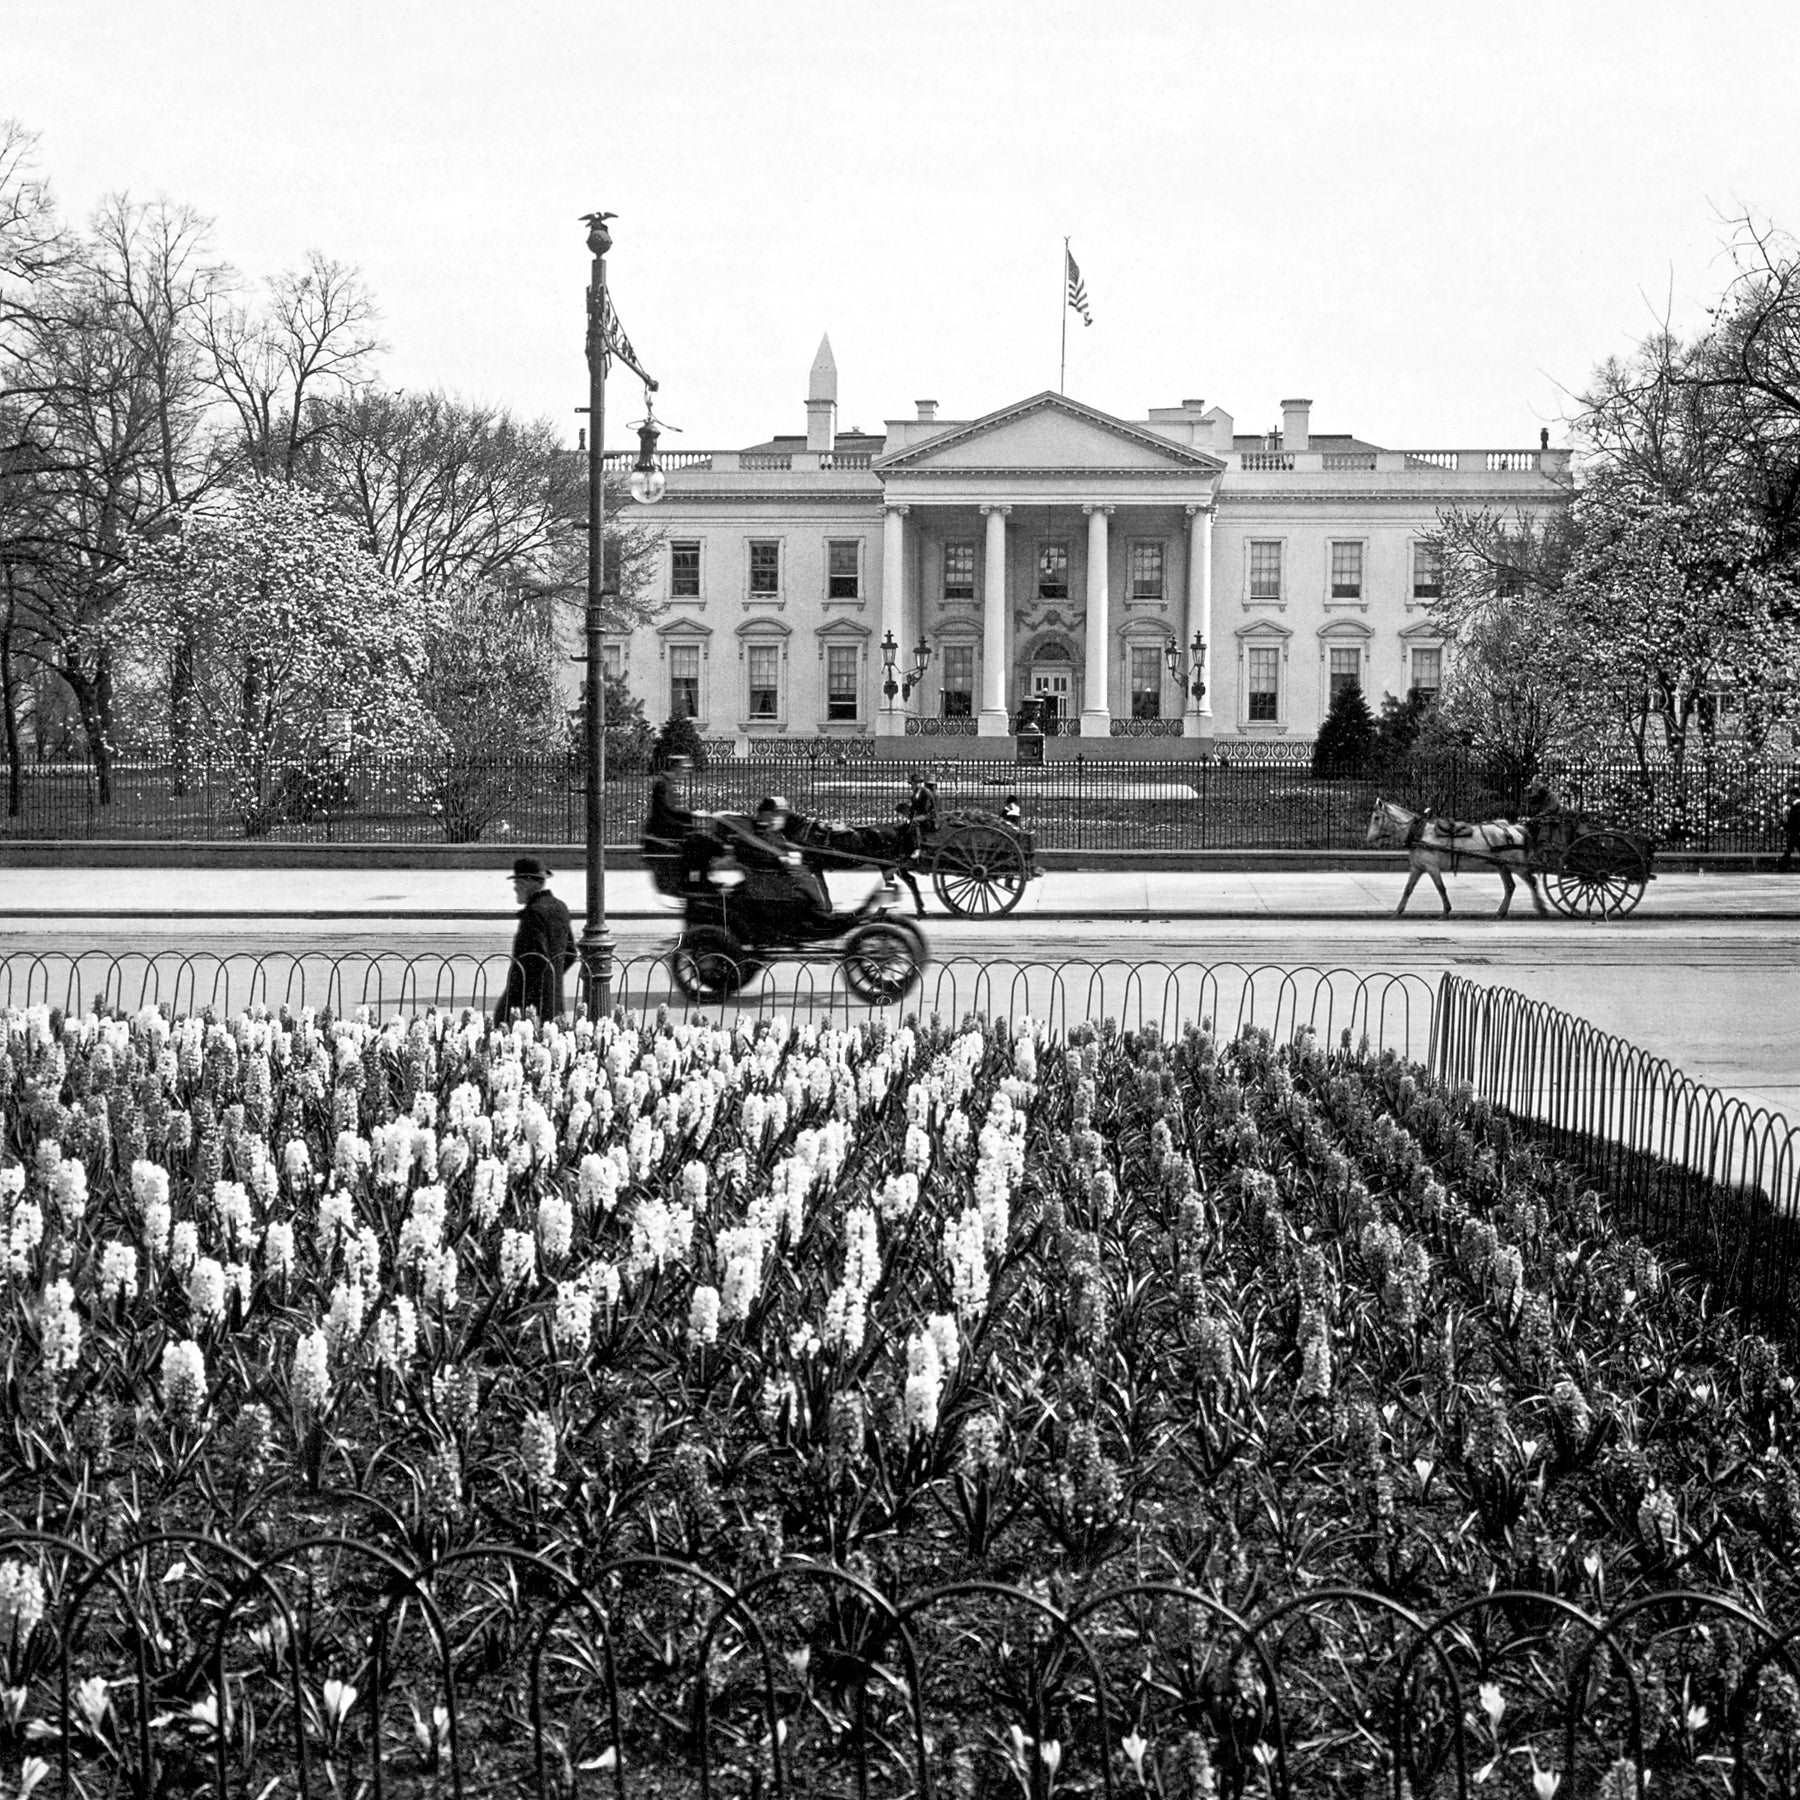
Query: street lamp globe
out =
(648, 483)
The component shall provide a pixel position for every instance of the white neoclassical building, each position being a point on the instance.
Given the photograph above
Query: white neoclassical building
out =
(1049, 550)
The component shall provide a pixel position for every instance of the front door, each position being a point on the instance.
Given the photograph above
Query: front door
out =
(1053, 686)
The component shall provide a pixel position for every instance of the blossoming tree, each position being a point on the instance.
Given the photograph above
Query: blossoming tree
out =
(289, 620)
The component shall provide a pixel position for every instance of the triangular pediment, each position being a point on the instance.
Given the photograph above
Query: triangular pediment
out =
(1047, 433)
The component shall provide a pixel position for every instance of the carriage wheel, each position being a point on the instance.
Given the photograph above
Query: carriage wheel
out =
(710, 963)
(882, 961)
(1601, 876)
(979, 871)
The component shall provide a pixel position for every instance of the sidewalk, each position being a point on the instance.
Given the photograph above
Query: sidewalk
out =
(145, 893)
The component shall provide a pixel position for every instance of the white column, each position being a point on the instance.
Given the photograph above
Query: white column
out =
(1096, 706)
(1197, 721)
(995, 720)
(890, 719)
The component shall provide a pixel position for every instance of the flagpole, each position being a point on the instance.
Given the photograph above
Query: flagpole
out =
(1062, 370)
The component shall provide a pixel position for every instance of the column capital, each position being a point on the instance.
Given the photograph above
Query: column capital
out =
(1203, 506)
(995, 508)
(1098, 507)
(902, 507)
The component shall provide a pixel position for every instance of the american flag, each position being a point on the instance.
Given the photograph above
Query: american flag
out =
(1077, 289)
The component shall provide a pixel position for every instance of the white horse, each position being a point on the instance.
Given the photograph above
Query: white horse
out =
(1428, 840)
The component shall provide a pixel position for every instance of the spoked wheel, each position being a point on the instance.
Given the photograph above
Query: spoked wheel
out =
(883, 959)
(1601, 876)
(709, 963)
(979, 871)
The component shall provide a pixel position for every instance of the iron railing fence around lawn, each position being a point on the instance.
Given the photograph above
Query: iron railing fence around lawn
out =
(1702, 1172)
(1230, 801)
(180, 1663)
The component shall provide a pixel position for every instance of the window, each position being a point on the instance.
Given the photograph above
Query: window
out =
(1053, 572)
(612, 660)
(1264, 688)
(1427, 672)
(1428, 569)
(1265, 569)
(843, 569)
(840, 681)
(1146, 680)
(684, 681)
(959, 571)
(765, 680)
(1509, 582)
(765, 567)
(1346, 571)
(684, 569)
(1346, 672)
(957, 689)
(1147, 573)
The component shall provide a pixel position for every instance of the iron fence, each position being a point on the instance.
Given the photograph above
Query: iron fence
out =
(1684, 1164)
(180, 1663)
(1393, 1011)
(1239, 797)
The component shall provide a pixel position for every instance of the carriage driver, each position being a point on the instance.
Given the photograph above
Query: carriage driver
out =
(1542, 805)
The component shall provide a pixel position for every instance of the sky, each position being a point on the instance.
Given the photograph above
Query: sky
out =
(1432, 220)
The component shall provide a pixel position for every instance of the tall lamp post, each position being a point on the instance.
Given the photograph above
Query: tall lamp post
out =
(605, 339)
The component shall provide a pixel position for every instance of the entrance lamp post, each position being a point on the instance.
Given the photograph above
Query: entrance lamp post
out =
(605, 339)
(1192, 673)
(901, 683)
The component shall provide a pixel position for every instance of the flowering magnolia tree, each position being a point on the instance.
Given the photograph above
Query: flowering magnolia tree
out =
(277, 617)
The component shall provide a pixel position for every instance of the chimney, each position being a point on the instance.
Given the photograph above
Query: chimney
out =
(1295, 418)
(821, 400)
(927, 411)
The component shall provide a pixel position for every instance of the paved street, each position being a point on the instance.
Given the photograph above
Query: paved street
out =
(1703, 974)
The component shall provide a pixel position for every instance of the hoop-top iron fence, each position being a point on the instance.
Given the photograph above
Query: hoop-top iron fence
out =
(175, 1663)
(1393, 1011)
(1686, 1165)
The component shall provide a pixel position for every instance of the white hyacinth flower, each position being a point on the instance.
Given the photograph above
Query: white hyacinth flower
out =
(184, 1379)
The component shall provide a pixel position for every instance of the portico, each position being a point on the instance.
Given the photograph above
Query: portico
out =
(1047, 549)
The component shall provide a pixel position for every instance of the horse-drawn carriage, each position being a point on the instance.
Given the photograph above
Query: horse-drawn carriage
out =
(1588, 868)
(978, 862)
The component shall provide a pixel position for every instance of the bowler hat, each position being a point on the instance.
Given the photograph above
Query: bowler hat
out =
(530, 868)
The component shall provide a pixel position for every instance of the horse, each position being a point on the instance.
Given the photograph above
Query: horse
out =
(1427, 840)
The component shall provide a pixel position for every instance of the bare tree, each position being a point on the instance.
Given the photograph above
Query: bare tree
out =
(105, 410)
(448, 491)
(310, 341)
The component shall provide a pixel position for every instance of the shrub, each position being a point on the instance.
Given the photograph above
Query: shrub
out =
(1347, 737)
(678, 737)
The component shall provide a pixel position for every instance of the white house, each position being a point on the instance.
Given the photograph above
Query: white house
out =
(1049, 549)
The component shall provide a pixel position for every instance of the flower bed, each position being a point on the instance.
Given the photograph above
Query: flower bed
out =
(554, 1343)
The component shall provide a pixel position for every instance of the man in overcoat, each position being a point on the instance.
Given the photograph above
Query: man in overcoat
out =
(543, 946)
